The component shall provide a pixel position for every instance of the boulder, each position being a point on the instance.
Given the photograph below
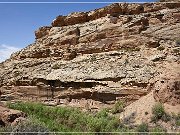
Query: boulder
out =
(157, 57)
(113, 10)
(58, 22)
(132, 9)
(152, 43)
(71, 19)
(81, 17)
(18, 120)
(8, 116)
(76, 18)
(42, 31)
(154, 21)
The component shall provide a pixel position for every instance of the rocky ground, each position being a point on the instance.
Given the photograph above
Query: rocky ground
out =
(91, 60)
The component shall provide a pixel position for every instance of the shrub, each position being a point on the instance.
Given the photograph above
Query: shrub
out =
(102, 113)
(64, 119)
(178, 122)
(177, 119)
(158, 112)
(26, 128)
(118, 107)
(166, 117)
(158, 131)
(143, 128)
(30, 126)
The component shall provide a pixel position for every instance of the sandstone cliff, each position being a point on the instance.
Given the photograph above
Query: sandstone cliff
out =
(169, 0)
(91, 59)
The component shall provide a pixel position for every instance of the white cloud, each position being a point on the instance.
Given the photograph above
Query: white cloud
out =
(6, 51)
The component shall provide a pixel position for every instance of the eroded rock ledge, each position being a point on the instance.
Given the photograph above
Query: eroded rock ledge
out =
(113, 10)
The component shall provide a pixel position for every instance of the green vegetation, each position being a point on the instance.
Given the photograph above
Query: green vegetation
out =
(177, 119)
(158, 131)
(118, 107)
(143, 128)
(30, 125)
(166, 117)
(102, 113)
(159, 113)
(64, 119)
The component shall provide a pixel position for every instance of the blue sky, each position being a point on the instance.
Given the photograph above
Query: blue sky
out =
(19, 21)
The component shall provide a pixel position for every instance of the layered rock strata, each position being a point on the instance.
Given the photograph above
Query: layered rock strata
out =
(113, 53)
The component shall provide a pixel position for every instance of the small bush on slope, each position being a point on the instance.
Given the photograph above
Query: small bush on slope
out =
(118, 107)
(158, 111)
(157, 131)
(176, 118)
(143, 128)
